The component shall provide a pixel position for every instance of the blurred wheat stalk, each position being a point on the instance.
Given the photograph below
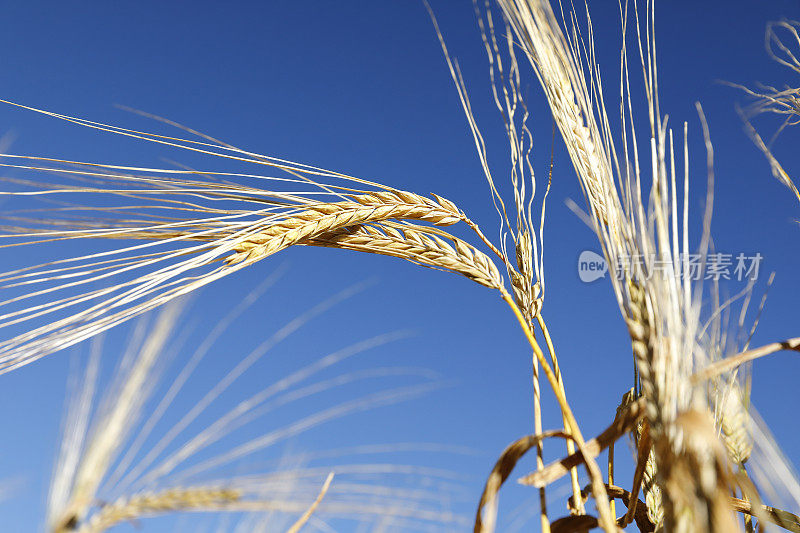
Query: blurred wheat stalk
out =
(770, 100)
(689, 410)
(109, 470)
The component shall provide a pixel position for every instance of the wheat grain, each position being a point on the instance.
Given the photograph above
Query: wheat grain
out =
(416, 245)
(323, 218)
(652, 491)
(734, 428)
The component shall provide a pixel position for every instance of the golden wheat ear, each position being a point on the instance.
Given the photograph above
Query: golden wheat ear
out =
(188, 228)
(186, 241)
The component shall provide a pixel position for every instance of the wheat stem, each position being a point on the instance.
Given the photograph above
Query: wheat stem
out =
(303, 519)
(598, 485)
(729, 363)
(645, 444)
(537, 425)
(576, 488)
(622, 424)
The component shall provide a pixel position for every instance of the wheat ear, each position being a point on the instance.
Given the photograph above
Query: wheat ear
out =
(250, 241)
(152, 503)
(417, 245)
(326, 217)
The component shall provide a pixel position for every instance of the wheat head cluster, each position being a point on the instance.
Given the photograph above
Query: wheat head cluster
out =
(700, 451)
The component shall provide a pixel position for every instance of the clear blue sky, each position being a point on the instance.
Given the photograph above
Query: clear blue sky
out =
(361, 87)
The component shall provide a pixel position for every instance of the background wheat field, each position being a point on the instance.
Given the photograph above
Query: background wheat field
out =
(439, 379)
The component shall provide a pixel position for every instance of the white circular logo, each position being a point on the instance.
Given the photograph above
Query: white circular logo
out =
(591, 266)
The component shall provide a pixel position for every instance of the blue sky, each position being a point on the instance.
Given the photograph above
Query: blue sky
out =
(361, 87)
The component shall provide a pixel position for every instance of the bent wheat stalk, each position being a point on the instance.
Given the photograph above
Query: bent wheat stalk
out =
(486, 516)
